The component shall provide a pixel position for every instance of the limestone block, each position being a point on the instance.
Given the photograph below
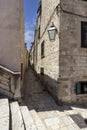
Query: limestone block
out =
(4, 114)
(17, 122)
(38, 122)
(6, 87)
(4, 79)
(28, 119)
(6, 93)
(17, 94)
(5, 83)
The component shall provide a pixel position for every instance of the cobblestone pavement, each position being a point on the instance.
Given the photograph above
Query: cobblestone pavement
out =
(53, 116)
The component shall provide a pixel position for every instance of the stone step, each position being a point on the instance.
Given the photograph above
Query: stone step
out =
(37, 120)
(27, 118)
(4, 114)
(17, 121)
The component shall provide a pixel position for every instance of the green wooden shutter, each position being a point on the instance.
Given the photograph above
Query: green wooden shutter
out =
(78, 88)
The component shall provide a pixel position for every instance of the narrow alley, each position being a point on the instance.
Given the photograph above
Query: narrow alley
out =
(34, 94)
(53, 117)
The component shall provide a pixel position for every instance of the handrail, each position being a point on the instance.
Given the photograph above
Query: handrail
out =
(10, 71)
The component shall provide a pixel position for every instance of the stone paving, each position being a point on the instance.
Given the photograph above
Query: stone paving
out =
(54, 117)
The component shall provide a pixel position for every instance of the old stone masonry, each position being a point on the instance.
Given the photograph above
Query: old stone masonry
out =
(59, 50)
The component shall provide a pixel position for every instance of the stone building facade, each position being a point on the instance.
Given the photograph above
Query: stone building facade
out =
(62, 63)
(13, 52)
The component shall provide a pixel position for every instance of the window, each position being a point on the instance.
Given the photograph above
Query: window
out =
(39, 32)
(21, 71)
(81, 88)
(42, 50)
(84, 34)
(42, 71)
(36, 51)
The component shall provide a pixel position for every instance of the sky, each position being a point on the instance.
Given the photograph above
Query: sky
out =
(30, 15)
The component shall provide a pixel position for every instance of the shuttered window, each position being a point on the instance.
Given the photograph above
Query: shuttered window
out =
(81, 88)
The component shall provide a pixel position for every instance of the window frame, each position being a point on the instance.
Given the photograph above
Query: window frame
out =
(39, 32)
(42, 71)
(42, 50)
(83, 34)
(81, 88)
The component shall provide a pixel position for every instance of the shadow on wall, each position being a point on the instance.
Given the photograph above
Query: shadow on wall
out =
(50, 85)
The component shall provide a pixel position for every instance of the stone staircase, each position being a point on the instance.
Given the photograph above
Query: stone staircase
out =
(16, 117)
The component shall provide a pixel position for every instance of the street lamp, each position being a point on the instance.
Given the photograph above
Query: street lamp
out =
(52, 32)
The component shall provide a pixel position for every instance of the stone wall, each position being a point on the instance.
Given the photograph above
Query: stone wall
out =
(73, 58)
(64, 60)
(10, 83)
(48, 7)
(24, 51)
(50, 61)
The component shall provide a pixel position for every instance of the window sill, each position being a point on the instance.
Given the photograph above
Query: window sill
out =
(81, 95)
(84, 47)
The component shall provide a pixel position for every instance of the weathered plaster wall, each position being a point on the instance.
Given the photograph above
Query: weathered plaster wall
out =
(13, 51)
(10, 13)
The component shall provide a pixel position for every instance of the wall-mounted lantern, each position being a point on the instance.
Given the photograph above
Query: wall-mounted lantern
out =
(52, 32)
